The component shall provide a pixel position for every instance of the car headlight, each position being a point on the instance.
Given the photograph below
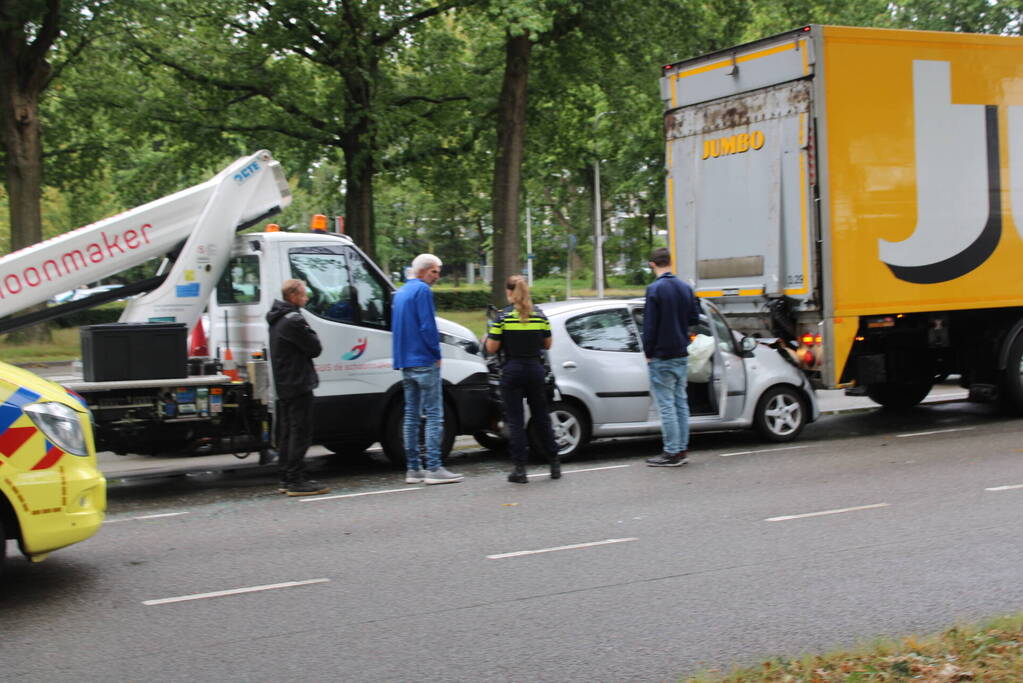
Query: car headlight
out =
(60, 424)
(470, 346)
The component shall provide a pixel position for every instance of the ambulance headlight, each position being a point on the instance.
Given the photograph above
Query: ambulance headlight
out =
(61, 425)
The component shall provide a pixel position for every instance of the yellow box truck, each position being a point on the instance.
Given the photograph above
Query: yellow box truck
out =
(859, 193)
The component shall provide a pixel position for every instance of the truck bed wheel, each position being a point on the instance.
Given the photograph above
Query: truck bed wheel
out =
(1012, 378)
(899, 396)
(392, 439)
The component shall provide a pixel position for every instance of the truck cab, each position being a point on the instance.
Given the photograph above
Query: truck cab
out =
(359, 400)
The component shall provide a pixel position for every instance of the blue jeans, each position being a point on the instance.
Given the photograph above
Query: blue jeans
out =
(423, 397)
(668, 384)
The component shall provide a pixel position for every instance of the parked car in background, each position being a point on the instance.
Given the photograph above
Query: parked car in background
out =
(52, 493)
(604, 390)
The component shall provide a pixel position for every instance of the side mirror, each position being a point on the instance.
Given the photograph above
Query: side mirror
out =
(473, 348)
(748, 345)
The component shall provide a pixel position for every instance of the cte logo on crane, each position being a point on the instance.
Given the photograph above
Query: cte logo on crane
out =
(247, 172)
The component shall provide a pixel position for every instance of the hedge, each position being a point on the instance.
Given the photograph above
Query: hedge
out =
(108, 313)
(477, 299)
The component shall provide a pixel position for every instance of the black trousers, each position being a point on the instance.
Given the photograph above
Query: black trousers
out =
(524, 379)
(294, 435)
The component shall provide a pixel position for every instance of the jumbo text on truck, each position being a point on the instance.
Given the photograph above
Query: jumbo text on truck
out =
(858, 192)
(144, 393)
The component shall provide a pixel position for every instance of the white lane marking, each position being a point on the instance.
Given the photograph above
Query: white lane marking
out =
(767, 450)
(132, 519)
(1005, 488)
(520, 553)
(826, 512)
(311, 499)
(233, 591)
(587, 469)
(939, 431)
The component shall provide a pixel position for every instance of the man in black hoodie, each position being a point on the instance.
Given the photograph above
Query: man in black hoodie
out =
(293, 345)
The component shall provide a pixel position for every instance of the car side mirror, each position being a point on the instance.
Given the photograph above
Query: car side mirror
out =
(748, 345)
(473, 348)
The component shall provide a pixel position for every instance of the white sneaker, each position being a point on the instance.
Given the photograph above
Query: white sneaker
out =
(414, 476)
(442, 476)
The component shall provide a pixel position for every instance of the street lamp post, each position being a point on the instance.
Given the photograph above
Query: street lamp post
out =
(598, 231)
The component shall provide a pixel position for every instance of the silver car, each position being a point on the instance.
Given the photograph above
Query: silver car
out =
(604, 390)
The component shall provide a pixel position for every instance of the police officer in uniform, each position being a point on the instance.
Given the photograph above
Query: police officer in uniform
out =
(523, 332)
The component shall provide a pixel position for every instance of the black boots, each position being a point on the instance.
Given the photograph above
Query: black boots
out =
(555, 466)
(518, 475)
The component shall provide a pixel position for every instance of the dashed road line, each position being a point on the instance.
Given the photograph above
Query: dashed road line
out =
(133, 519)
(233, 591)
(576, 546)
(766, 450)
(826, 512)
(937, 431)
(1005, 488)
(586, 469)
(313, 499)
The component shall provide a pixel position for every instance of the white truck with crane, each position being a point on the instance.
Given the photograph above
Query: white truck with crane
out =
(147, 396)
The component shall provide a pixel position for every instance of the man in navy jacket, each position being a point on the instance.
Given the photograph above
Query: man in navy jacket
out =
(670, 309)
(415, 345)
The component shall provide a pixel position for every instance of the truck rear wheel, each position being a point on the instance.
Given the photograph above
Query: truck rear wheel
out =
(899, 396)
(393, 438)
(1012, 377)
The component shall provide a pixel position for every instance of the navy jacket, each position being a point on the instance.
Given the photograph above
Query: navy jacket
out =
(293, 345)
(671, 308)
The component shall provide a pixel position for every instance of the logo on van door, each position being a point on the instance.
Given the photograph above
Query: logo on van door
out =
(357, 350)
(958, 186)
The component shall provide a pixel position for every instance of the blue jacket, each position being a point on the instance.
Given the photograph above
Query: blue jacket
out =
(415, 341)
(671, 308)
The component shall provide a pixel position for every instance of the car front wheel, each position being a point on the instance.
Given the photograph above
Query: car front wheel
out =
(571, 431)
(780, 414)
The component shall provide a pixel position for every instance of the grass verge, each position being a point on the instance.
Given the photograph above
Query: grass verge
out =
(991, 652)
(64, 346)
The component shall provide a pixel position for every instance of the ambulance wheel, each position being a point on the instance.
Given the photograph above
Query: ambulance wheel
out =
(899, 396)
(1012, 378)
(393, 441)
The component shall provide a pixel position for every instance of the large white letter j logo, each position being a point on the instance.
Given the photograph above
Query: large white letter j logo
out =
(958, 195)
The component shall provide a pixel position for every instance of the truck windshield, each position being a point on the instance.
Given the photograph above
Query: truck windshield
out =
(341, 287)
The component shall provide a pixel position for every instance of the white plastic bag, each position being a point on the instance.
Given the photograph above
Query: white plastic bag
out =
(701, 351)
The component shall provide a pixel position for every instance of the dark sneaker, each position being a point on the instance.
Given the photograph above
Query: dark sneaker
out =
(518, 476)
(307, 488)
(668, 460)
(441, 476)
(283, 486)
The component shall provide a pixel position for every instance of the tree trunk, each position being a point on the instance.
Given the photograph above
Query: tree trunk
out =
(23, 76)
(511, 137)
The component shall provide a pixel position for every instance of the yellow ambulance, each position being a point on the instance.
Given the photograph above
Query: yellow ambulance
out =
(52, 493)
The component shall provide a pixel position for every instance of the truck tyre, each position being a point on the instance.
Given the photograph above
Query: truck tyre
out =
(491, 441)
(348, 447)
(780, 414)
(1012, 377)
(899, 396)
(571, 432)
(393, 439)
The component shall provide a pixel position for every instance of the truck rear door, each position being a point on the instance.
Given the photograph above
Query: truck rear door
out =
(740, 162)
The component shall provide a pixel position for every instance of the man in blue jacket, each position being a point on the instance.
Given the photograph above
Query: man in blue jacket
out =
(415, 345)
(670, 309)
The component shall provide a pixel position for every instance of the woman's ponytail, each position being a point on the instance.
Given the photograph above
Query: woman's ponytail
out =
(519, 296)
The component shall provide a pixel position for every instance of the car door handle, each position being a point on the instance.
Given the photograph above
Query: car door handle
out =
(569, 364)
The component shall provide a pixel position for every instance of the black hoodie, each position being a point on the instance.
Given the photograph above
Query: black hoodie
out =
(293, 345)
